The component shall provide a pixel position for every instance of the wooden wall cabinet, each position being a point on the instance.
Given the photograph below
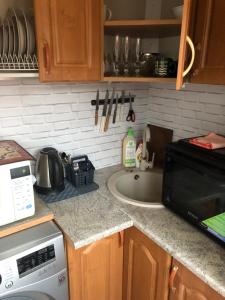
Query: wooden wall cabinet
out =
(95, 271)
(146, 268)
(184, 285)
(69, 39)
(208, 32)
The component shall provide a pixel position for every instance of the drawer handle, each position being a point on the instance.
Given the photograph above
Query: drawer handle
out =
(46, 53)
(172, 277)
(190, 43)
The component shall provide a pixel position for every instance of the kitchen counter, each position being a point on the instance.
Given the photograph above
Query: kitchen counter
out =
(42, 214)
(96, 215)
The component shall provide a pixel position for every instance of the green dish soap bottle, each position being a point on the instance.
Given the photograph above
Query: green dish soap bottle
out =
(129, 149)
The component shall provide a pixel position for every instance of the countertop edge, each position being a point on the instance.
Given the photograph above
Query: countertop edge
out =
(103, 234)
(28, 224)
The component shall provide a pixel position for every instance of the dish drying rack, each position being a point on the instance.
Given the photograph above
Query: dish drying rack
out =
(18, 50)
(18, 63)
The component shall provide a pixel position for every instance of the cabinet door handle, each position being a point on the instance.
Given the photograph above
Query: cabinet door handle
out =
(121, 233)
(190, 43)
(46, 53)
(172, 277)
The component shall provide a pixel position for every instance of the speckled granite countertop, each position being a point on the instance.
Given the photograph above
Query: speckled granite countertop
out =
(98, 214)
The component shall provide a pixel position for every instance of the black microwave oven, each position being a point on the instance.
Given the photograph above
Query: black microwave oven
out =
(194, 186)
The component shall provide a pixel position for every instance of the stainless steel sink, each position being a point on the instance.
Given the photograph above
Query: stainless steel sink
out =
(137, 187)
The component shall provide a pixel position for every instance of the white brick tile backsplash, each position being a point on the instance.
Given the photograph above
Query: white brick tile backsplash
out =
(213, 109)
(11, 112)
(40, 128)
(37, 89)
(58, 109)
(33, 100)
(61, 125)
(10, 101)
(61, 99)
(39, 110)
(36, 119)
(198, 109)
(212, 98)
(11, 122)
(60, 115)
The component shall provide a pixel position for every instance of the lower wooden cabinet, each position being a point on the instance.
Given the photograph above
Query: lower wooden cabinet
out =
(95, 271)
(146, 268)
(130, 266)
(184, 285)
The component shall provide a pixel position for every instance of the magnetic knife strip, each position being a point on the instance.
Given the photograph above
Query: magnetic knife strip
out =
(126, 100)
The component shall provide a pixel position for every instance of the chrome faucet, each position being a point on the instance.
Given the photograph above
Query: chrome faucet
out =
(145, 159)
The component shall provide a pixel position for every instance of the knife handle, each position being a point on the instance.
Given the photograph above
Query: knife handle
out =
(121, 112)
(102, 126)
(114, 116)
(107, 123)
(96, 118)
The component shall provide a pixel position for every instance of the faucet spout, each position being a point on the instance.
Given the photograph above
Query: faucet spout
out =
(146, 139)
(145, 160)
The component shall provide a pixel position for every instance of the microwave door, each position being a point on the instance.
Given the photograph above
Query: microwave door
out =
(195, 190)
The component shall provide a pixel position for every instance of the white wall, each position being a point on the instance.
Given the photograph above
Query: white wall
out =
(39, 115)
(195, 110)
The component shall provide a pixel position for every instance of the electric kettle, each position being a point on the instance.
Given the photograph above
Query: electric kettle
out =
(49, 172)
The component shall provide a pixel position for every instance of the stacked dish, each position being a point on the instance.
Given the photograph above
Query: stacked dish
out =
(17, 41)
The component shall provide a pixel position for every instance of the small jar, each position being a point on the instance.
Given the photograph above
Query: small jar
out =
(147, 64)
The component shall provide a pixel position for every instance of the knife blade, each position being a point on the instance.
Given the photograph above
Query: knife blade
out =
(122, 105)
(115, 110)
(102, 126)
(109, 111)
(97, 108)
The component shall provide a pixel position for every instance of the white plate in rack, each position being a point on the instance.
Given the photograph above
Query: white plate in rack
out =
(30, 36)
(22, 41)
(15, 35)
(10, 36)
(5, 38)
(1, 40)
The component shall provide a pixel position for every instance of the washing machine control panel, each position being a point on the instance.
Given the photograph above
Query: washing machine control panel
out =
(35, 260)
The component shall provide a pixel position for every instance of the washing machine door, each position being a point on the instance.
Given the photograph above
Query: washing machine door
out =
(27, 296)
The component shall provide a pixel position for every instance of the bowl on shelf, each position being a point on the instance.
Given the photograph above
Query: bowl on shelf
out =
(178, 11)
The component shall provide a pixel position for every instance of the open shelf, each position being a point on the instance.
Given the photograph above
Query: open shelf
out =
(142, 23)
(139, 79)
(154, 28)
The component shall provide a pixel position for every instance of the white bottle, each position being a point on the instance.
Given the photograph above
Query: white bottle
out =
(129, 150)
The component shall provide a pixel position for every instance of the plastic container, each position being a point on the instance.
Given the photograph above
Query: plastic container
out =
(80, 171)
(129, 150)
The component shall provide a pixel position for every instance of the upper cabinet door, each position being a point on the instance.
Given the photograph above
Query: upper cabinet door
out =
(184, 39)
(69, 39)
(208, 34)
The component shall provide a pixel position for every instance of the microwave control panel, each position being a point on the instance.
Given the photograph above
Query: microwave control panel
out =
(22, 190)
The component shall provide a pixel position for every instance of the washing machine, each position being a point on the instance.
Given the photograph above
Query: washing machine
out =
(33, 265)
